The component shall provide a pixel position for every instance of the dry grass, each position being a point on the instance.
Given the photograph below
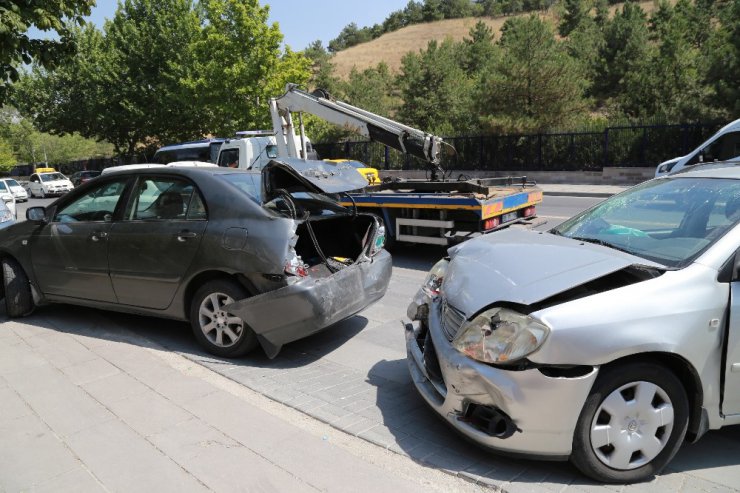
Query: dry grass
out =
(390, 48)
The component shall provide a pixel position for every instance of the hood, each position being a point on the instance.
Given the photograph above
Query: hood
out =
(525, 267)
(311, 176)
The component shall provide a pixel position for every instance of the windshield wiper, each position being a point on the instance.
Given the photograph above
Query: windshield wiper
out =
(597, 241)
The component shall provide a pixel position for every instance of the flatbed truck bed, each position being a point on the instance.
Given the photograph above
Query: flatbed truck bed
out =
(448, 212)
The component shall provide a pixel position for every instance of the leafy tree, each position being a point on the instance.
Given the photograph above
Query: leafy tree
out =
(322, 69)
(535, 85)
(7, 158)
(16, 48)
(239, 65)
(585, 44)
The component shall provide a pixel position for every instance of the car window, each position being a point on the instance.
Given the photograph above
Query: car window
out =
(165, 198)
(249, 183)
(3, 187)
(34, 178)
(12, 183)
(97, 204)
(666, 221)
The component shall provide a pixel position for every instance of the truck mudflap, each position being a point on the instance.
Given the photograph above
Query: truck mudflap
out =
(312, 304)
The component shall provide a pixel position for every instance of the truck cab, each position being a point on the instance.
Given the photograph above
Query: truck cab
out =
(252, 150)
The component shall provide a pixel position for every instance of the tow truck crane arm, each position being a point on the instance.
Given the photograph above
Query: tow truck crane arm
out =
(375, 127)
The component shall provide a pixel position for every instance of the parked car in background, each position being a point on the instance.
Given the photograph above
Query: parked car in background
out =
(722, 146)
(80, 177)
(248, 258)
(7, 217)
(608, 340)
(7, 198)
(19, 193)
(47, 182)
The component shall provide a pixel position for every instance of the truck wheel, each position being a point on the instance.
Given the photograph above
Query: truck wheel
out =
(218, 331)
(18, 299)
(631, 425)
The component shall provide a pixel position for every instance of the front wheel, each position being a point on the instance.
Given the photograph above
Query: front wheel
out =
(632, 423)
(218, 331)
(18, 298)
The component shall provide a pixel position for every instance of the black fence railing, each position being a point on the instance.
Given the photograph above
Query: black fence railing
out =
(628, 146)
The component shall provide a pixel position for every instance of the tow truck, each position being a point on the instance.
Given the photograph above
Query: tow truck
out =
(434, 211)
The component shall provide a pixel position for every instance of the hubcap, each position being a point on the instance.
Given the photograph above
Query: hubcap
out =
(220, 327)
(632, 425)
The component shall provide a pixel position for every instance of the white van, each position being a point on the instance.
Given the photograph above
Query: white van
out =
(722, 146)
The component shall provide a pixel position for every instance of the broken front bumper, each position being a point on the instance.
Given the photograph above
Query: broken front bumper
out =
(523, 412)
(312, 304)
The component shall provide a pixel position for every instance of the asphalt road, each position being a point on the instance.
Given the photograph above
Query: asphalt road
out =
(354, 377)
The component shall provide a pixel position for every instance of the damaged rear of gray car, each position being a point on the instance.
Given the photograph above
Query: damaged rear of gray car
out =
(608, 340)
(249, 258)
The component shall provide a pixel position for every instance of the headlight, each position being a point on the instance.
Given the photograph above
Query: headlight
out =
(6, 216)
(500, 335)
(433, 281)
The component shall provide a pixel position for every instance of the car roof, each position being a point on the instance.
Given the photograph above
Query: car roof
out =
(723, 169)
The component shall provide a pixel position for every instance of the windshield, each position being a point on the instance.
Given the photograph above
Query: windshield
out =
(52, 176)
(12, 183)
(667, 221)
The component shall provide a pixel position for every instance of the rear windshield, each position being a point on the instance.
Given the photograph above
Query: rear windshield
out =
(297, 205)
(199, 153)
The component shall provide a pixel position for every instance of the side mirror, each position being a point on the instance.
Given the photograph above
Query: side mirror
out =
(272, 151)
(36, 215)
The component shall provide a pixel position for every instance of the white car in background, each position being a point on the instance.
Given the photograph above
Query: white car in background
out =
(6, 197)
(46, 183)
(19, 193)
(7, 217)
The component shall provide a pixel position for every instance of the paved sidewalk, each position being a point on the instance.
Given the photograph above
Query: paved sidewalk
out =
(580, 190)
(84, 408)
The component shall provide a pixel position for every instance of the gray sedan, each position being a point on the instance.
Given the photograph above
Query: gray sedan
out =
(608, 340)
(248, 258)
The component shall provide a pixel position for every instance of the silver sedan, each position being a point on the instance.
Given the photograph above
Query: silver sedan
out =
(609, 340)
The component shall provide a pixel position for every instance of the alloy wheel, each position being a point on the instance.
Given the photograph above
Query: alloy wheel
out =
(221, 328)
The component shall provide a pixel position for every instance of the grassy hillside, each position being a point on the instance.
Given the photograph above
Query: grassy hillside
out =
(391, 47)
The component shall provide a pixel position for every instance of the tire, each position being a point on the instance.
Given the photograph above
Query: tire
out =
(18, 298)
(218, 332)
(626, 431)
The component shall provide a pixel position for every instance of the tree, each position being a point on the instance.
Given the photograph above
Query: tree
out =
(432, 11)
(435, 90)
(7, 158)
(575, 12)
(626, 47)
(479, 48)
(239, 65)
(722, 50)
(16, 48)
(535, 85)
(322, 69)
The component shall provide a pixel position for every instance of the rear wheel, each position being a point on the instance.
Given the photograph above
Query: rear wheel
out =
(18, 299)
(218, 331)
(632, 423)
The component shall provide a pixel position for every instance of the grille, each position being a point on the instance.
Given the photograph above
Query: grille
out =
(452, 320)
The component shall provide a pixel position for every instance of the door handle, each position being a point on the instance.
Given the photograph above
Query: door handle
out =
(184, 236)
(98, 235)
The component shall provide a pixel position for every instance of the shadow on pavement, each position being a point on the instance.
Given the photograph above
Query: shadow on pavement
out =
(414, 430)
(417, 257)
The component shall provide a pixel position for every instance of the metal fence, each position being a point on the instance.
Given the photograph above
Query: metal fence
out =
(627, 146)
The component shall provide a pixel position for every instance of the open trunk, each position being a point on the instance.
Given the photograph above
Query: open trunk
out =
(336, 242)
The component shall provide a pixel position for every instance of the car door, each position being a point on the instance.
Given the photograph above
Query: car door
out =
(731, 391)
(153, 246)
(70, 253)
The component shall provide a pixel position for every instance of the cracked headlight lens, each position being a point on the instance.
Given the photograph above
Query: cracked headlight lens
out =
(500, 336)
